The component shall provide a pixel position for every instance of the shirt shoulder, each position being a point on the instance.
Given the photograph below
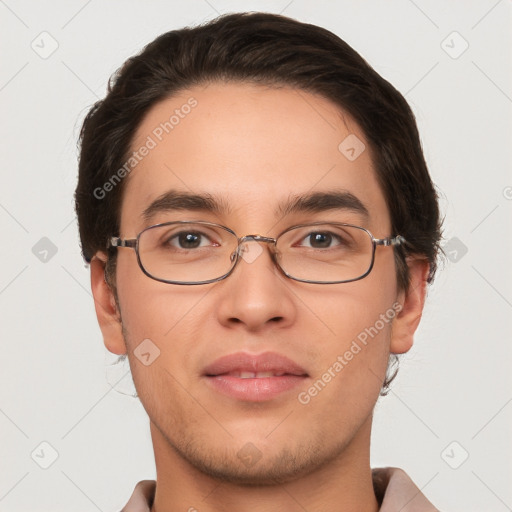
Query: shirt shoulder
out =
(142, 497)
(397, 492)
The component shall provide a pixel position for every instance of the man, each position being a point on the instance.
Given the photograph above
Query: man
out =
(261, 228)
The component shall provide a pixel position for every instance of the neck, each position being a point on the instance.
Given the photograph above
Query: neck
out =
(343, 484)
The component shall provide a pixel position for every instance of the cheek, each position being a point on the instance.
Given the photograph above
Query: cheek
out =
(151, 309)
(361, 341)
(351, 309)
(346, 385)
(161, 325)
(357, 320)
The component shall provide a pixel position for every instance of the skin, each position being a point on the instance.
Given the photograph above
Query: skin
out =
(254, 146)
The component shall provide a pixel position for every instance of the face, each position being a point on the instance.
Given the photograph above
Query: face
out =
(253, 149)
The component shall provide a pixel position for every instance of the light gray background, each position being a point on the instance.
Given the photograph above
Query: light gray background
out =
(455, 385)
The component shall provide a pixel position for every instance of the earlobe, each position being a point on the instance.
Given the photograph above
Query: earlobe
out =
(407, 320)
(109, 318)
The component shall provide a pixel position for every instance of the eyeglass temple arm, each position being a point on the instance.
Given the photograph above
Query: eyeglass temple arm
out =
(396, 240)
(115, 241)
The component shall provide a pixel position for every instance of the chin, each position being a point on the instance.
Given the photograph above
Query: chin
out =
(258, 463)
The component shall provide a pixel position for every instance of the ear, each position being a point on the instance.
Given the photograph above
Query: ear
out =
(109, 317)
(412, 301)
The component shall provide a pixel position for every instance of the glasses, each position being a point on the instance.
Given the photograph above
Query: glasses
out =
(198, 252)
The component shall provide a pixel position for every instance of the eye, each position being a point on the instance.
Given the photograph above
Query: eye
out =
(321, 240)
(188, 240)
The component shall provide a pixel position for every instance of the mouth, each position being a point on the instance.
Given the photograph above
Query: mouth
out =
(254, 378)
(252, 375)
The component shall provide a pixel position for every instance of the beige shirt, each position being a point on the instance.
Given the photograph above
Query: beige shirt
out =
(394, 490)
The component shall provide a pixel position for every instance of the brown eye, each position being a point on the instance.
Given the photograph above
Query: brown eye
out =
(187, 240)
(320, 240)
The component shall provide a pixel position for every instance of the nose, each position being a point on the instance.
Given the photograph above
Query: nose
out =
(256, 295)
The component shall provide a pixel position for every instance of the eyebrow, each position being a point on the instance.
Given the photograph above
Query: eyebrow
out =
(173, 200)
(315, 202)
(318, 202)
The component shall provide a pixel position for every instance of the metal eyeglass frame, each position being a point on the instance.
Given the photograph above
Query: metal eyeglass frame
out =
(133, 243)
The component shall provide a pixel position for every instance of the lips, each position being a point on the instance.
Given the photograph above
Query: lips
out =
(254, 375)
(244, 365)
(254, 378)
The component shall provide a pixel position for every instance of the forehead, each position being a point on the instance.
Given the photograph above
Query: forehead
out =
(251, 147)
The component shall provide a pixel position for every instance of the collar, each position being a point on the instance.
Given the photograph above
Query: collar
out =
(394, 489)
